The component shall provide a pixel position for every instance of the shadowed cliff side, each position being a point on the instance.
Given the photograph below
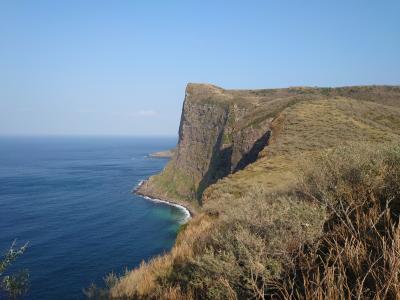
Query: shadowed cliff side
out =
(217, 136)
(222, 131)
(244, 243)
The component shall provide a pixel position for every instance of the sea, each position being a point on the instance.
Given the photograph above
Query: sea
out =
(71, 200)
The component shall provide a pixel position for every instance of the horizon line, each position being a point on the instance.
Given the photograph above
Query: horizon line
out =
(89, 135)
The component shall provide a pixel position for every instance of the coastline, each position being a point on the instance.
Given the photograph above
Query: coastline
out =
(188, 213)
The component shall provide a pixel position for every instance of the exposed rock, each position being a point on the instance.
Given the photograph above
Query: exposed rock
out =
(163, 154)
(218, 135)
(222, 131)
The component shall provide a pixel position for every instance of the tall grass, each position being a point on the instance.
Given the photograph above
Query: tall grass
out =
(358, 256)
(335, 235)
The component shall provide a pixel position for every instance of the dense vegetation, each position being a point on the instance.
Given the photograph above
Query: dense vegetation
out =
(314, 217)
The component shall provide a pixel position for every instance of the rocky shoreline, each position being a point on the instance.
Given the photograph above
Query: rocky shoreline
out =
(148, 196)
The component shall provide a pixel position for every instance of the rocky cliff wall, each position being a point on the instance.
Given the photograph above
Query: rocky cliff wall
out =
(222, 131)
(218, 135)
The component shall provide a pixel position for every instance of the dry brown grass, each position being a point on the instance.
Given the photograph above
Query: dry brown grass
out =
(301, 131)
(358, 256)
(284, 246)
(144, 281)
(258, 239)
(309, 119)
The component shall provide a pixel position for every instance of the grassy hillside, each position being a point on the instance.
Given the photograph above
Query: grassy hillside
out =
(302, 130)
(314, 217)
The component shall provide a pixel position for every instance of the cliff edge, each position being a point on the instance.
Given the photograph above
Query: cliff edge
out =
(291, 165)
(222, 131)
(219, 134)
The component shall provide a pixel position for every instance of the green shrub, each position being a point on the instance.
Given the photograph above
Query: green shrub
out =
(14, 285)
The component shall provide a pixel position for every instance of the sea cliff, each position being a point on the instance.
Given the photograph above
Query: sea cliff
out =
(218, 135)
(263, 171)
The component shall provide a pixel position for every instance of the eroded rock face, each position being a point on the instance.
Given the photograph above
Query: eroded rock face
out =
(217, 136)
(222, 131)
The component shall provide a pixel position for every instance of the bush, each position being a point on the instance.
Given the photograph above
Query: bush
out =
(335, 235)
(358, 256)
(13, 285)
(245, 248)
(97, 293)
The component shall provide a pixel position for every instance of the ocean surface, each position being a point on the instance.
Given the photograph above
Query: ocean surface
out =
(70, 197)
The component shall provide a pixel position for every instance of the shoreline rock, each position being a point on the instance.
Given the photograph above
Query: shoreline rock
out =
(149, 196)
(163, 154)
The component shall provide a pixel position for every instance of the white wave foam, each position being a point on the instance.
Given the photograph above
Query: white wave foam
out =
(181, 207)
(139, 184)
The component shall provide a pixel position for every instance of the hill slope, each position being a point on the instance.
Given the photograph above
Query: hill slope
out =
(238, 163)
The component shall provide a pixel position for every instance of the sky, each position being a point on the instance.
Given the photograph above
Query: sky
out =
(121, 67)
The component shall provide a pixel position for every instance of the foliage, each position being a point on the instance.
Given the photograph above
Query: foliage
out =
(335, 235)
(98, 293)
(13, 285)
(358, 256)
(315, 217)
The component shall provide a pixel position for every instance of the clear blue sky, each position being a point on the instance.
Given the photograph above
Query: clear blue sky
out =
(121, 67)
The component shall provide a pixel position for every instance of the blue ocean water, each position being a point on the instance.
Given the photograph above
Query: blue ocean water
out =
(70, 197)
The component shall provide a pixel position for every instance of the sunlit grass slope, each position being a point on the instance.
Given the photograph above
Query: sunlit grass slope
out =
(331, 164)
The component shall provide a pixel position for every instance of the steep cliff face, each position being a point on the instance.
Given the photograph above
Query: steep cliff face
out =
(218, 135)
(222, 131)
